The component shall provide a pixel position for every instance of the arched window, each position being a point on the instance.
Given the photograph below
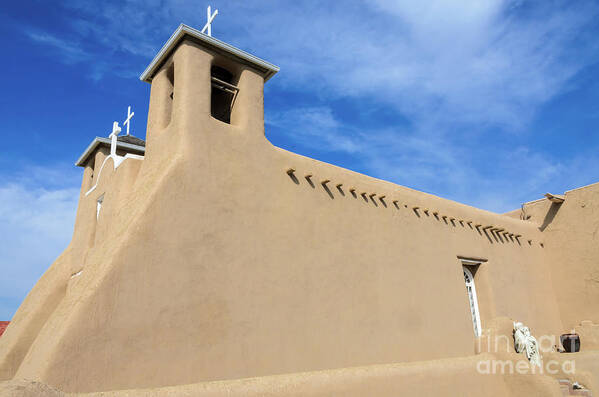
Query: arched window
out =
(471, 289)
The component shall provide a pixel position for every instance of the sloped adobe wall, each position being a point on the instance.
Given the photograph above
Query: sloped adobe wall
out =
(456, 377)
(213, 262)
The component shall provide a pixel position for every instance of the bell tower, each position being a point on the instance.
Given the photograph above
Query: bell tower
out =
(201, 82)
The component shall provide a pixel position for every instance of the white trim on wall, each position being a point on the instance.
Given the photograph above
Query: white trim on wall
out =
(99, 206)
(117, 160)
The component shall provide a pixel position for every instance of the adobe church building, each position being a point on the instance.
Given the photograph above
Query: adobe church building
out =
(207, 262)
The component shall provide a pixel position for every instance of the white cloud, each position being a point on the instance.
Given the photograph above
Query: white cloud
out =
(37, 212)
(465, 63)
(459, 72)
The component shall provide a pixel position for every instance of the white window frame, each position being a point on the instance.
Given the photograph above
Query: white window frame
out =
(472, 299)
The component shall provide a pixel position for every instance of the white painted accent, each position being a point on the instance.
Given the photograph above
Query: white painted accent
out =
(99, 206)
(98, 141)
(470, 262)
(117, 160)
(267, 68)
(120, 159)
(127, 121)
(113, 137)
(209, 18)
(471, 289)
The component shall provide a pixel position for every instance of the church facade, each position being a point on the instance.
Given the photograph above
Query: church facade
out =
(207, 261)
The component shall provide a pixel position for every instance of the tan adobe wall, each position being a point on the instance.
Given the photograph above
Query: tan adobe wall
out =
(450, 377)
(570, 231)
(455, 377)
(250, 272)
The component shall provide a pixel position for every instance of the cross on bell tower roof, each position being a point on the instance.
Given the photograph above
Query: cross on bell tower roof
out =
(209, 18)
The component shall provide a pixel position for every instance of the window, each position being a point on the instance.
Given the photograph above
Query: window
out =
(91, 166)
(168, 105)
(223, 94)
(170, 74)
(471, 290)
(99, 206)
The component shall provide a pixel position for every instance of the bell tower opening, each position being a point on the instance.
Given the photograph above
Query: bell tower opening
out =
(223, 94)
(213, 82)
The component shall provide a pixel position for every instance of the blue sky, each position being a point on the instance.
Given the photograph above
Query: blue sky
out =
(488, 103)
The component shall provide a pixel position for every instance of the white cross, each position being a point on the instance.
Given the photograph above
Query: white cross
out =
(209, 17)
(127, 121)
(113, 137)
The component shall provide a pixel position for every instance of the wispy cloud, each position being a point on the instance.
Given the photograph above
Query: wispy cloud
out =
(70, 52)
(480, 62)
(468, 62)
(37, 211)
(316, 127)
(461, 73)
(98, 61)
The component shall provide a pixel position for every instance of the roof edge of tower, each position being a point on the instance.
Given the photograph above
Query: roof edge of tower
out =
(267, 68)
(106, 141)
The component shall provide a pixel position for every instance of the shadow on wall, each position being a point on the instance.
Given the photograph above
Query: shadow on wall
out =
(550, 215)
(494, 234)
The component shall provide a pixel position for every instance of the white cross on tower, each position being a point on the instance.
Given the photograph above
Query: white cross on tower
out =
(113, 137)
(128, 119)
(209, 17)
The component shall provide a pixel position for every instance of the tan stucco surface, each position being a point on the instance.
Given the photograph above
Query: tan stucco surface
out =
(457, 377)
(571, 231)
(211, 261)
